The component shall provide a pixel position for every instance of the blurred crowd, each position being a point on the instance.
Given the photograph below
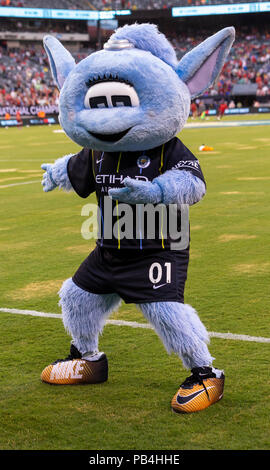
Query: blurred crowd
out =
(47, 25)
(65, 4)
(25, 78)
(115, 4)
(248, 62)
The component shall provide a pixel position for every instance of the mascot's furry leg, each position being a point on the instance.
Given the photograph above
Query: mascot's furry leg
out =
(84, 316)
(182, 332)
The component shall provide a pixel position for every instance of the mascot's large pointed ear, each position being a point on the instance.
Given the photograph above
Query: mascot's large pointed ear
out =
(61, 61)
(200, 67)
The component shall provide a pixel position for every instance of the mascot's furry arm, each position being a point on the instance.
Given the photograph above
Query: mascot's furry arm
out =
(56, 175)
(173, 187)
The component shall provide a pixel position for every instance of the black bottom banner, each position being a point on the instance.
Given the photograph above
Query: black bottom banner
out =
(130, 458)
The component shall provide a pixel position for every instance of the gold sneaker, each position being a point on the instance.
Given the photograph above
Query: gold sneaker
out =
(202, 389)
(76, 370)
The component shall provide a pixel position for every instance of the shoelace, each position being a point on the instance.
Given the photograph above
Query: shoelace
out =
(74, 354)
(196, 377)
(70, 357)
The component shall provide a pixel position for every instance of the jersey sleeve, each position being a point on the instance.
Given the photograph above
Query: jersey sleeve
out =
(80, 173)
(179, 157)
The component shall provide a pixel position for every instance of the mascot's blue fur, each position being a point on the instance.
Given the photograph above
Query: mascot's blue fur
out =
(164, 88)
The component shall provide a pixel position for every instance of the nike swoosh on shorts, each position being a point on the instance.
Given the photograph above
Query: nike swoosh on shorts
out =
(161, 285)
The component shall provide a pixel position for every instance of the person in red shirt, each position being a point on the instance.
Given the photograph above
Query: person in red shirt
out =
(193, 108)
(19, 119)
(221, 109)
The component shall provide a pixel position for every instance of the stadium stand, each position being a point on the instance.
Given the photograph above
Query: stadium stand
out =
(25, 78)
(65, 4)
(248, 62)
(116, 4)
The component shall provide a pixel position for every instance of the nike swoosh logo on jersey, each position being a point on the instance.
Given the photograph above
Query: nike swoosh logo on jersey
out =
(184, 400)
(98, 161)
(161, 285)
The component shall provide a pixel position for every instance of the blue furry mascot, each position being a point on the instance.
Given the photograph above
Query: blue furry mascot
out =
(124, 105)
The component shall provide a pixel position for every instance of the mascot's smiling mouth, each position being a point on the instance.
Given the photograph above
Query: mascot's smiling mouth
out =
(110, 137)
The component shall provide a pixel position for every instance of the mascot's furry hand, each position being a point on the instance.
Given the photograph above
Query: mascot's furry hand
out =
(137, 192)
(48, 182)
(56, 175)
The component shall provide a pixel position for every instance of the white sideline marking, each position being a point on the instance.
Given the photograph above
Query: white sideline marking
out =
(19, 184)
(133, 324)
(197, 125)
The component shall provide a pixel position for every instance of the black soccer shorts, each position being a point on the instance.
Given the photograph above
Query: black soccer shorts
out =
(136, 276)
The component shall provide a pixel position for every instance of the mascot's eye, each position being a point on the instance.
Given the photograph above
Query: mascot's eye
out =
(111, 94)
(121, 100)
(98, 102)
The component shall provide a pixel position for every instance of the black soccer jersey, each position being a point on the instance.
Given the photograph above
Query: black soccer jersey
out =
(95, 171)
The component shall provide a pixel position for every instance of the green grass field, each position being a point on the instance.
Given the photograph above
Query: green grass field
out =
(228, 283)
